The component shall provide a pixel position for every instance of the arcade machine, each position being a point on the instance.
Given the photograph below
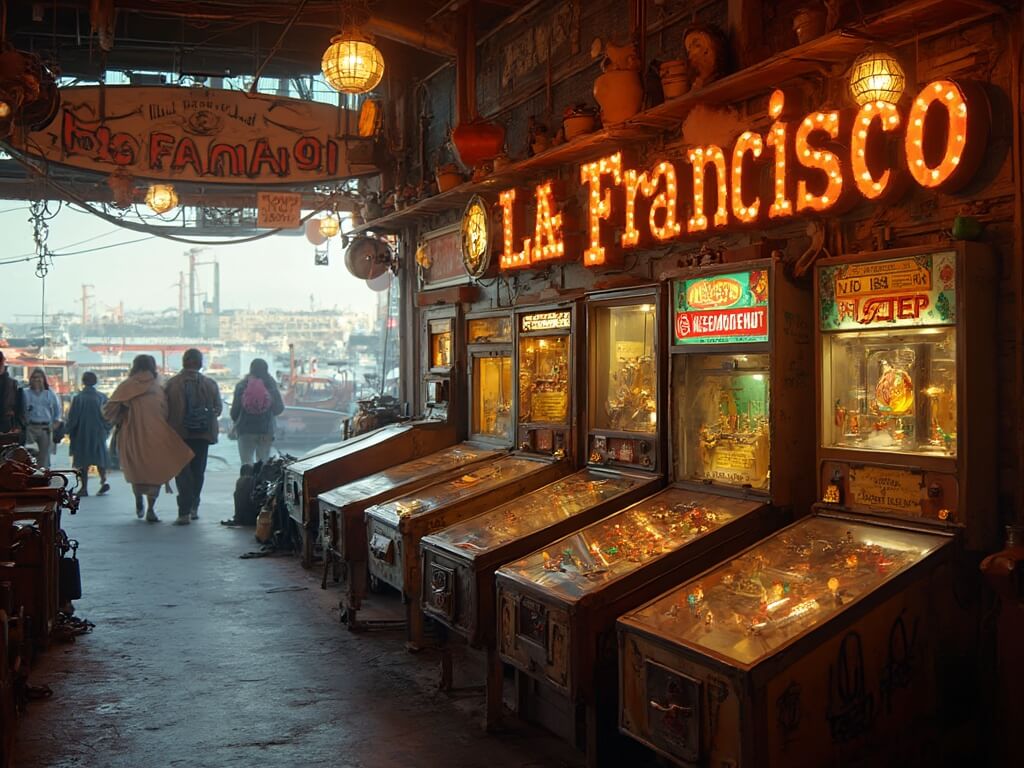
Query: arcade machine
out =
(386, 446)
(625, 463)
(546, 368)
(845, 636)
(342, 509)
(740, 366)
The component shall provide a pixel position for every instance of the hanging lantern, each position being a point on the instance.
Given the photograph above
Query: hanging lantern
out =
(352, 64)
(329, 226)
(161, 198)
(876, 75)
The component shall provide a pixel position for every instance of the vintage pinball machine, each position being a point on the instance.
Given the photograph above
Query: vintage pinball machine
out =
(490, 389)
(849, 634)
(546, 342)
(740, 376)
(624, 463)
(438, 428)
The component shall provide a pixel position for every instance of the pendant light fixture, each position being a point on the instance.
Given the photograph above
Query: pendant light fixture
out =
(329, 225)
(161, 198)
(352, 63)
(876, 75)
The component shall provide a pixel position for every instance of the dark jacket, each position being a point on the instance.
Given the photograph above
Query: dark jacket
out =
(12, 405)
(256, 423)
(204, 391)
(88, 429)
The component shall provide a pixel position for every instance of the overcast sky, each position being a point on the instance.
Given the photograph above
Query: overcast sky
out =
(277, 271)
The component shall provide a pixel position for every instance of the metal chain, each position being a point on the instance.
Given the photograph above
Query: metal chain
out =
(40, 234)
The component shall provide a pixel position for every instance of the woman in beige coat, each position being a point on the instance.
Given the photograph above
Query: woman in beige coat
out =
(151, 452)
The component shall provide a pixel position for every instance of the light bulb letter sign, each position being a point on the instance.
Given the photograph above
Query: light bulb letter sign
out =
(821, 160)
(599, 206)
(548, 240)
(947, 95)
(700, 158)
(879, 114)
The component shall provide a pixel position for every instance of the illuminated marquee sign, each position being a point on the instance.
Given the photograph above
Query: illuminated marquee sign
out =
(943, 139)
(916, 291)
(201, 135)
(722, 309)
(546, 321)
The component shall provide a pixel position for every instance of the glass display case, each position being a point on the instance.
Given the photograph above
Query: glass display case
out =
(544, 384)
(814, 643)
(609, 549)
(624, 394)
(470, 551)
(543, 508)
(891, 391)
(440, 343)
(751, 606)
(723, 402)
(491, 412)
(394, 528)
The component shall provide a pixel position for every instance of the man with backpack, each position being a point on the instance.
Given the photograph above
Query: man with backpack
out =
(256, 402)
(193, 405)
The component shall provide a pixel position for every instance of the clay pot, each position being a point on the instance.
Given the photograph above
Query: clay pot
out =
(577, 125)
(448, 177)
(809, 24)
(620, 94)
(477, 141)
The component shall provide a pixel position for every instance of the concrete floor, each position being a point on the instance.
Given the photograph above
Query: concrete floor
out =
(200, 658)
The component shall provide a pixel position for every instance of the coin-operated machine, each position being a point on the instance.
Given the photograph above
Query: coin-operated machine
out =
(546, 341)
(739, 371)
(848, 634)
(438, 427)
(625, 462)
(491, 400)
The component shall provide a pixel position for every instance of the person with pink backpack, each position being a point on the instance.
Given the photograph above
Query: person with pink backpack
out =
(256, 402)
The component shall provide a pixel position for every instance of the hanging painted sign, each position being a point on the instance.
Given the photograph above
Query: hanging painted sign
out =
(200, 134)
(278, 210)
(722, 309)
(440, 258)
(943, 138)
(918, 290)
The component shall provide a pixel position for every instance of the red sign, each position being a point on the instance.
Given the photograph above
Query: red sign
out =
(744, 322)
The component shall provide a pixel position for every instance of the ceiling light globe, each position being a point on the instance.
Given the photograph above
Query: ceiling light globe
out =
(876, 75)
(161, 198)
(352, 64)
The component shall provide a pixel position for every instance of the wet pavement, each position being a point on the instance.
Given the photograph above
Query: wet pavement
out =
(200, 658)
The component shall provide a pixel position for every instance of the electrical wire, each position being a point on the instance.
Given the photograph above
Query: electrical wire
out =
(55, 255)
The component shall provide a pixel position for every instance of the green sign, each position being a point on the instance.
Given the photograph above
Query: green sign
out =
(915, 291)
(722, 309)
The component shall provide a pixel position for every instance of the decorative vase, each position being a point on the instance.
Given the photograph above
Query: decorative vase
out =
(620, 94)
(477, 140)
(809, 23)
(675, 78)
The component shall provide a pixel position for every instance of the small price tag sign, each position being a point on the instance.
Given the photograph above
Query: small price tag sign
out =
(278, 210)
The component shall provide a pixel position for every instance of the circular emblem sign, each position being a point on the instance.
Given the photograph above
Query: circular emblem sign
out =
(476, 237)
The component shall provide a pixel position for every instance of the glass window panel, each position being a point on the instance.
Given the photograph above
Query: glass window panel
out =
(492, 396)
(440, 346)
(623, 366)
(750, 607)
(544, 380)
(722, 404)
(490, 330)
(890, 391)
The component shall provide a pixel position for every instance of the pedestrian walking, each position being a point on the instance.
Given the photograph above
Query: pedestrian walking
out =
(193, 405)
(254, 405)
(43, 413)
(12, 405)
(151, 452)
(88, 432)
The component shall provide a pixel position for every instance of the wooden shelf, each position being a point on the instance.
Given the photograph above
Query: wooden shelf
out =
(893, 26)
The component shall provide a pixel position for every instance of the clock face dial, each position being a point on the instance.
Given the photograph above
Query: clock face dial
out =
(475, 238)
